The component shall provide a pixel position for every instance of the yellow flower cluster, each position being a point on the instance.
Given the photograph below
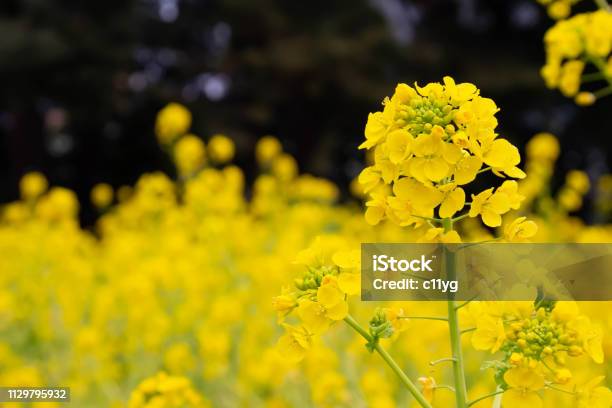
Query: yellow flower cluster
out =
(320, 295)
(183, 277)
(550, 209)
(188, 150)
(572, 44)
(165, 391)
(536, 342)
(429, 143)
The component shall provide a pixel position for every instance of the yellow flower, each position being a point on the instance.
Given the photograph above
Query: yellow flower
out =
(58, 204)
(524, 384)
(376, 208)
(569, 199)
(172, 122)
(397, 318)
(490, 207)
(313, 315)
(330, 306)
(490, 333)
(459, 93)
(591, 336)
(349, 282)
(221, 149)
(189, 154)
(284, 167)
(510, 189)
(378, 125)
(466, 169)
(267, 148)
(585, 98)
(544, 146)
(294, 344)
(32, 185)
(593, 395)
(520, 230)
(428, 385)
(284, 303)
(163, 390)
(399, 143)
(369, 178)
(102, 195)
(565, 311)
(422, 197)
(453, 201)
(563, 376)
(349, 279)
(332, 298)
(572, 42)
(569, 82)
(578, 180)
(559, 9)
(503, 157)
(438, 235)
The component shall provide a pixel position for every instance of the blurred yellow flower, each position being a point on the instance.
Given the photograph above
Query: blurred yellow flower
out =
(221, 149)
(524, 384)
(189, 154)
(102, 195)
(32, 185)
(172, 122)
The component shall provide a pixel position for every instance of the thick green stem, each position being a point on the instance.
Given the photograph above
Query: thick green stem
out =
(390, 362)
(453, 327)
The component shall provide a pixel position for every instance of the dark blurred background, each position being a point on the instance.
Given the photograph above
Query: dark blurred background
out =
(82, 80)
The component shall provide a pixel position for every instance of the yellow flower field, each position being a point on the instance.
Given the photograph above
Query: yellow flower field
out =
(203, 291)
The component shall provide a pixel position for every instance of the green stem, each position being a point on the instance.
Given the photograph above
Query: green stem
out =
(603, 92)
(390, 362)
(430, 219)
(601, 66)
(460, 217)
(595, 76)
(603, 4)
(560, 389)
(442, 360)
(443, 319)
(477, 400)
(467, 302)
(453, 327)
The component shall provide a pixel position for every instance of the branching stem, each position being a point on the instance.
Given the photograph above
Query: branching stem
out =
(390, 362)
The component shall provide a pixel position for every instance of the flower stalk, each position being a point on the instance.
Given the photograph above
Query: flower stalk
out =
(390, 362)
(454, 330)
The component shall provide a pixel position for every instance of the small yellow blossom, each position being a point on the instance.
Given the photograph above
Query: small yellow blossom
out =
(189, 154)
(524, 384)
(267, 148)
(520, 230)
(102, 195)
(172, 122)
(32, 185)
(490, 334)
(221, 149)
(585, 98)
(593, 395)
(294, 344)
